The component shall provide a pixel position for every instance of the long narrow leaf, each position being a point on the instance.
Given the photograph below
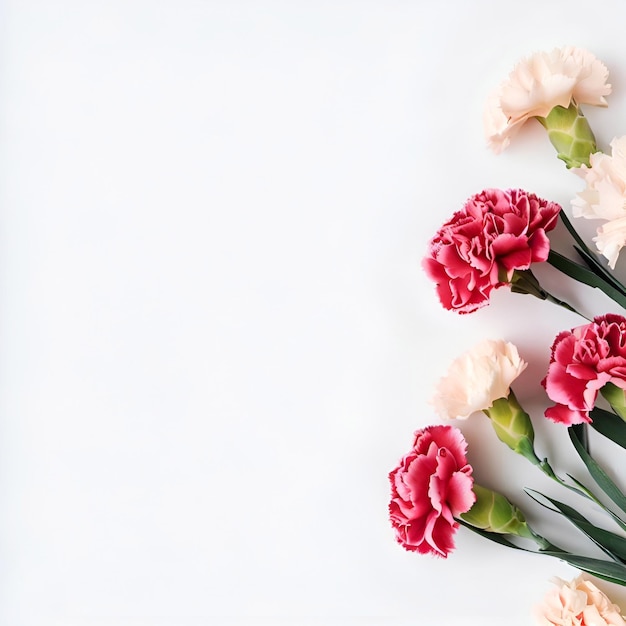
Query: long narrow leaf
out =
(599, 270)
(610, 425)
(606, 570)
(585, 275)
(598, 474)
(585, 491)
(612, 544)
(495, 537)
(572, 231)
(590, 258)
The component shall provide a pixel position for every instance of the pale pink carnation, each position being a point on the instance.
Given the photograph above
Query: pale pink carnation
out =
(577, 603)
(477, 378)
(604, 198)
(582, 361)
(430, 487)
(478, 249)
(539, 83)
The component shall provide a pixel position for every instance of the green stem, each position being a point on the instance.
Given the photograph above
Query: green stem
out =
(542, 542)
(524, 281)
(580, 489)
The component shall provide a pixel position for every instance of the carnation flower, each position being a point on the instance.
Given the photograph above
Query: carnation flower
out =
(495, 234)
(583, 361)
(540, 83)
(477, 378)
(577, 603)
(605, 198)
(480, 380)
(430, 487)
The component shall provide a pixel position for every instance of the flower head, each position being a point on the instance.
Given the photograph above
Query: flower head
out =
(604, 198)
(480, 380)
(583, 360)
(477, 378)
(430, 487)
(494, 234)
(577, 603)
(539, 83)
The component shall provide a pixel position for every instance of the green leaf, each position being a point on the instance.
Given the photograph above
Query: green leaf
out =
(586, 276)
(590, 258)
(598, 474)
(610, 425)
(599, 270)
(495, 537)
(585, 491)
(606, 570)
(612, 544)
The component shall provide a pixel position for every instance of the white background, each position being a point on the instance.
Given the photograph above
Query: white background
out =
(215, 336)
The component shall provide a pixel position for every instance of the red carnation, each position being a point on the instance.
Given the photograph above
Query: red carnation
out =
(479, 249)
(429, 488)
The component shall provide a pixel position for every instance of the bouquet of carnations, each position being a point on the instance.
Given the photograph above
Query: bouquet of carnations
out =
(494, 241)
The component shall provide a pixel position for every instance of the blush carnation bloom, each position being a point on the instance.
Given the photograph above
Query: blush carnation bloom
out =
(430, 487)
(577, 603)
(604, 198)
(539, 83)
(478, 249)
(477, 378)
(583, 360)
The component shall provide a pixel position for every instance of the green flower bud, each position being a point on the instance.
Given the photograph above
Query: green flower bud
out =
(494, 513)
(513, 426)
(571, 135)
(616, 398)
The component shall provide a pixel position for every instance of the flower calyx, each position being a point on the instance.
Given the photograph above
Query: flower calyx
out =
(570, 133)
(513, 426)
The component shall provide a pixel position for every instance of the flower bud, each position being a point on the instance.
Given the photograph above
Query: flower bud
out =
(571, 135)
(616, 397)
(494, 513)
(513, 426)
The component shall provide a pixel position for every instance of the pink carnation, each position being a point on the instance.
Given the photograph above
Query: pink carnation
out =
(583, 360)
(577, 603)
(429, 488)
(479, 248)
(539, 83)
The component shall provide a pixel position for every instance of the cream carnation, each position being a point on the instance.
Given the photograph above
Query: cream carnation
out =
(605, 198)
(539, 83)
(577, 603)
(477, 379)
